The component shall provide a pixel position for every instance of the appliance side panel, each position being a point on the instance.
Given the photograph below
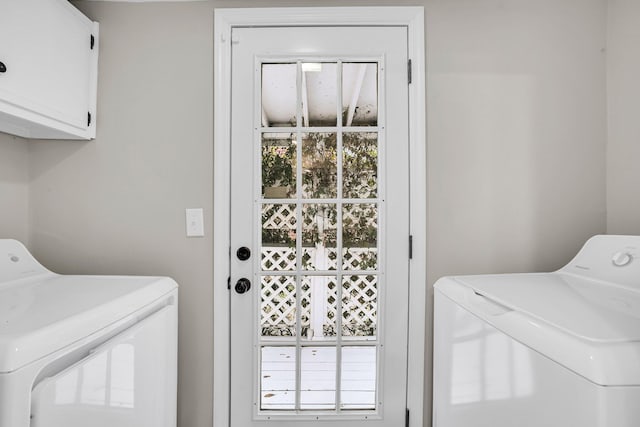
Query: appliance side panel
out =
(129, 381)
(15, 389)
(484, 378)
(620, 406)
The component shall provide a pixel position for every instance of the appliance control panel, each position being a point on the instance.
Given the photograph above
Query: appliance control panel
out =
(620, 259)
(614, 259)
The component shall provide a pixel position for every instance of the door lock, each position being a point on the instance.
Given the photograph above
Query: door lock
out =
(243, 285)
(243, 253)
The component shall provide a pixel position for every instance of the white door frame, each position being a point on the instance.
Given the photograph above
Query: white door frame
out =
(225, 19)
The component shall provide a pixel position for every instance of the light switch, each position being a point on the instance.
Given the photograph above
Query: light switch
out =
(195, 222)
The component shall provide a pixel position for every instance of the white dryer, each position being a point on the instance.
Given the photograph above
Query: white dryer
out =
(75, 351)
(548, 349)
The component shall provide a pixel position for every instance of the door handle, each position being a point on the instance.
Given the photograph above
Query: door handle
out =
(3, 68)
(243, 285)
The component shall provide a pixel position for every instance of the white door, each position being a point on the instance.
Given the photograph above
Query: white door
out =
(319, 226)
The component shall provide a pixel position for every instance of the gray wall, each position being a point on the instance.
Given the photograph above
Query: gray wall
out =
(516, 132)
(623, 153)
(14, 188)
(516, 151)
(116, 205)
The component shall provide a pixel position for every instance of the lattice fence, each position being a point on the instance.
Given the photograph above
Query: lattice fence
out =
(359, 305)
(284, 258)
(319, 295)
(278, 217)
(283, 216)
(359, 295)
(359, 223)
(278, 305)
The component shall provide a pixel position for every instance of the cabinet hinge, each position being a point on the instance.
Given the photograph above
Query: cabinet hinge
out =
(406, 418)
(409, 69)
(88, 119)
(93, 41)
(229, 282)
(410, 247)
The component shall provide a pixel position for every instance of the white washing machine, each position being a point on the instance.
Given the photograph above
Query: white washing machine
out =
(554, 349)
(97, 351)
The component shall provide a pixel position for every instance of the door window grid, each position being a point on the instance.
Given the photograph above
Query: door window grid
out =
(338, 272)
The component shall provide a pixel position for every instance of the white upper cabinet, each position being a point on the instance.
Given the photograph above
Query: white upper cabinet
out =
(49, 70)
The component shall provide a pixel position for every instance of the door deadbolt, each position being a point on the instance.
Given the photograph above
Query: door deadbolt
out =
(243, 285)
(243, 253)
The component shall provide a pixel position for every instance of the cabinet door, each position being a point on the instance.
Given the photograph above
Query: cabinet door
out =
(46, 48)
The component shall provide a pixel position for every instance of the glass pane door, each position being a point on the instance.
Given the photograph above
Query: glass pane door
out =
(319, 208)
(320, 196)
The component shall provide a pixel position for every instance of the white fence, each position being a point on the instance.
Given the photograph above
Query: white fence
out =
(319, 303)
(319, 294)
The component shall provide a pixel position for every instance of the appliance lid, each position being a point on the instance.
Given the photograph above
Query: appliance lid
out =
(586, 316)
(589, 309)
(42, 312)
(42, 316)
(591, 328)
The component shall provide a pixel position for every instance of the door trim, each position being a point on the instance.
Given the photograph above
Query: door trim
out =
(225, 19)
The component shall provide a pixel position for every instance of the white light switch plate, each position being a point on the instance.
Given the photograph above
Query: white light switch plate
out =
(195, 222)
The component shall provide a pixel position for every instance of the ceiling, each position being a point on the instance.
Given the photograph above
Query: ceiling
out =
(140, 1)
(319, 94)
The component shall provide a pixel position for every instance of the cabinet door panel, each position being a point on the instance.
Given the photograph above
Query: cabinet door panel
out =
(46, 49)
